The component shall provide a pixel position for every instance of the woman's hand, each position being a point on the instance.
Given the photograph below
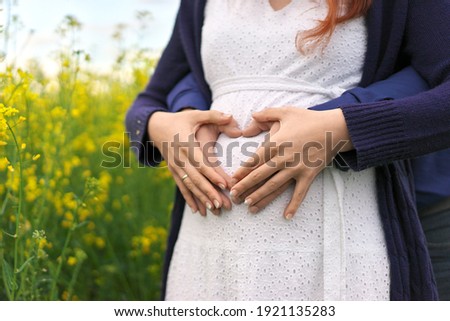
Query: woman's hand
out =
(207, 137)
(303, 143)
(174, 134)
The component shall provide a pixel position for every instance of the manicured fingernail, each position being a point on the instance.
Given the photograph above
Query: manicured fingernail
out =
(216, 204)
(222, 186)
(253, 209)
(248, 201)
(232, 193)
(226, 115)
(289, 216)
(208, 206)
(193, 211)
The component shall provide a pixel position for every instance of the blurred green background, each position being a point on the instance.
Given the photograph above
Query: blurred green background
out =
(75, 226)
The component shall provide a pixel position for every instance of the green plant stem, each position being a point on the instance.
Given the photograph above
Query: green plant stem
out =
(63, 251)
(60, 264)
(19, 209)
(73, 280)
(122, 276)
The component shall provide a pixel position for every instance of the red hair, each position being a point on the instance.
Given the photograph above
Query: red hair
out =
(335, 16)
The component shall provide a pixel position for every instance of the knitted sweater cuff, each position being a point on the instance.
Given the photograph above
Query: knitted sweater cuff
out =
(137, 120)
(377, 133)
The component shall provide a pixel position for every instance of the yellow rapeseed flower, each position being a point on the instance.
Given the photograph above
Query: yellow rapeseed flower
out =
(69, 201)
(3, 163)
(42, 243)
(91, 226)
(68, 216)
(100, 243)
(67, 224)
(72, 260)
(65, 296)
(89, 238)
(146, 244)
(8, 111)
(83, 214)
(116, 204)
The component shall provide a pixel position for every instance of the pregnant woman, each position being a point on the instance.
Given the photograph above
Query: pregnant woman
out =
(335, 239)
(354, 233)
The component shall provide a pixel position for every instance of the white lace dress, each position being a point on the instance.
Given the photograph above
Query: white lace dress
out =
(334, 247)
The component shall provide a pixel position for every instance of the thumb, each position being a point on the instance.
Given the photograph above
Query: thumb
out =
(213, 117)
(254, 128)
(269, 114)
(231, 129)
(232, 132)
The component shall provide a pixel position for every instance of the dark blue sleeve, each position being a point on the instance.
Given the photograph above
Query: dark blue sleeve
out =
(172, 67)
(186, 94)
(406, 82)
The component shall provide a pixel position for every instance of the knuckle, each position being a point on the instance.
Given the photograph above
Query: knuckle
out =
(184, 190)
(296, 172)
(201, 197)
(298, 196)
(256, 175)
(195, 181)
(272, 184)
(210, 194)
(188, 184)
(309, 175)
(202, 169)
(185, 194)
(263, 203)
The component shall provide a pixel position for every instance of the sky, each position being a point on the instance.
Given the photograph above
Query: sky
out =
(98, 17)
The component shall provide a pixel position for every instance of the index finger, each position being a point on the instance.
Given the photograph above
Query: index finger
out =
(267, 151)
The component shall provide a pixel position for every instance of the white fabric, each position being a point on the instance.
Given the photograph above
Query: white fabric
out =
(334, 248)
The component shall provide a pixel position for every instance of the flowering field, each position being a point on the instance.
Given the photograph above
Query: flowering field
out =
(79, 219)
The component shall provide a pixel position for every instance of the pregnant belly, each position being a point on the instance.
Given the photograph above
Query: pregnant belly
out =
(232, 152)
(350, 192)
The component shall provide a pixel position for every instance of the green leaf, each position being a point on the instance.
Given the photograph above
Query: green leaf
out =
(27, 262)
(10, 235)
(80, 225)
(8, 278)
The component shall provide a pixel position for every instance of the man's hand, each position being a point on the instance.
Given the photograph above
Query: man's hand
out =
(303, 143)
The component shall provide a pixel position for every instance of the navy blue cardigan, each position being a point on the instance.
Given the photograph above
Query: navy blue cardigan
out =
(400, 33)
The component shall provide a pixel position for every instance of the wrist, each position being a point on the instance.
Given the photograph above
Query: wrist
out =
(154, 121)
(339, 129)
(187, 108)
